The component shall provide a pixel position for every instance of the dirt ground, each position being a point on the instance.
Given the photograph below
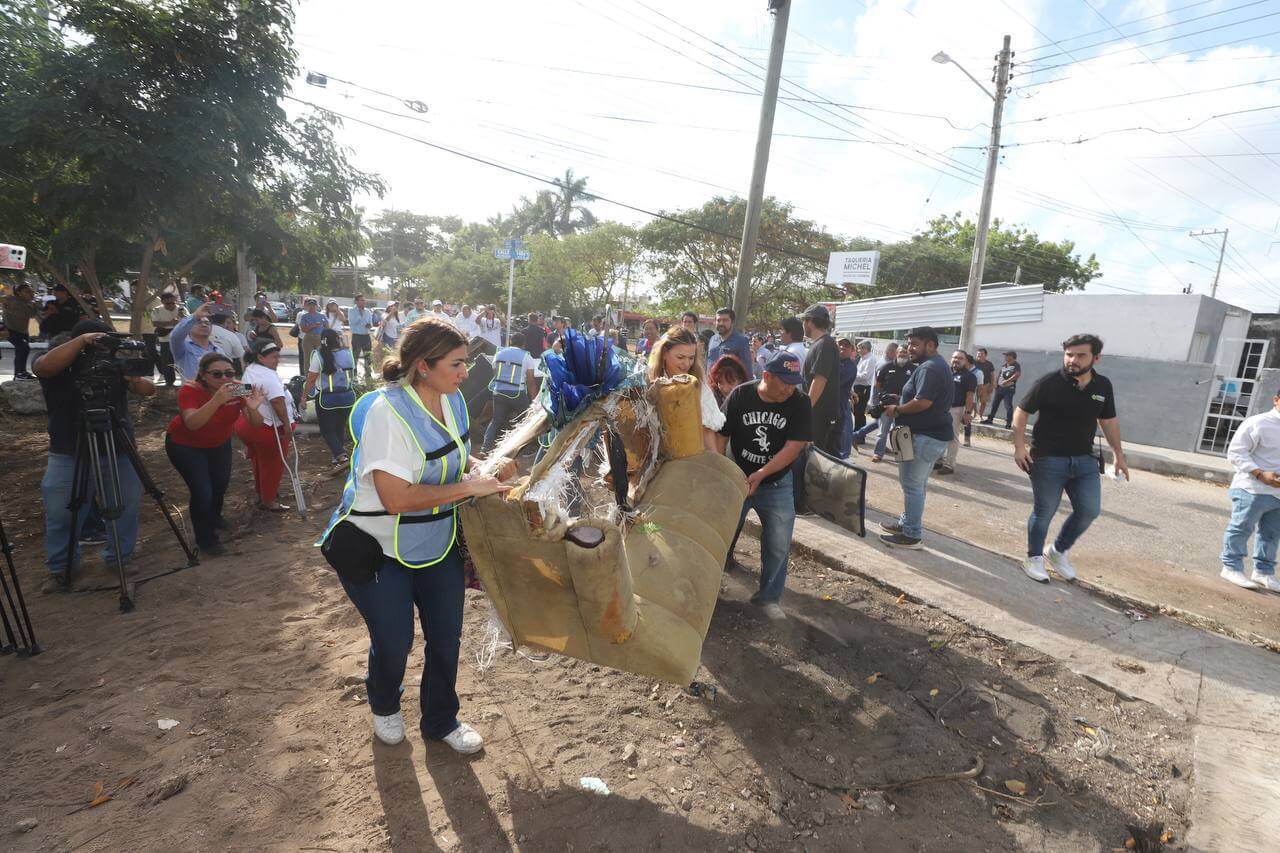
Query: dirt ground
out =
(795, 726)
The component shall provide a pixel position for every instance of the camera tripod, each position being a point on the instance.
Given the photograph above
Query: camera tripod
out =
(24, 643)
(101, 435)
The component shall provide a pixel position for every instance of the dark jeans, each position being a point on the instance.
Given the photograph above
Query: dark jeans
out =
(1004, 395)
(207, 472)
(160, 354)
(21, 351)
(361, 346)
(863, 393)
(333, 428)
(1080, 478)
(505, 411)
(387, 604)
(777, 514)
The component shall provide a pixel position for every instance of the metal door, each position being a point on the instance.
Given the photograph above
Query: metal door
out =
(1238, 364)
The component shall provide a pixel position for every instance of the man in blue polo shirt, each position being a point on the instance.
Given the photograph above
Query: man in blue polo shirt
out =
(360, 319)
(926, 409)
(727, 340)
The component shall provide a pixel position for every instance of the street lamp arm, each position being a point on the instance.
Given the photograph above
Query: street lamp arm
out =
(942, 58)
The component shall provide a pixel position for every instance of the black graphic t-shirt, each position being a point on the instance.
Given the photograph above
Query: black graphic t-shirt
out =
(758, 430)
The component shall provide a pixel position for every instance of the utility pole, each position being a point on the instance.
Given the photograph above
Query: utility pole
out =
(984, 212)
(746, 258)
(1213, 291)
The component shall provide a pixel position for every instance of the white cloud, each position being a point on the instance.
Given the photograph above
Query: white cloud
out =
(486, 70)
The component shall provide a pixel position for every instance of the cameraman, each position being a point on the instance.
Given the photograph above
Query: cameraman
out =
(63, 401)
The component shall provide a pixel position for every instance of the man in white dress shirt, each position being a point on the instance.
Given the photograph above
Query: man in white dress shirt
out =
(867, 367)
(1255, 501)
(466, 322)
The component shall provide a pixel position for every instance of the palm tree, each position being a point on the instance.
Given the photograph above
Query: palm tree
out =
(573, 194)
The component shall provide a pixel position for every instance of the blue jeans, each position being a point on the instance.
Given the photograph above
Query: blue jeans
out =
(883, 423)
(505, 411)
(913, 476)
(846, 430)
(776, 510)
(55, 489)
(207, 473)
(387, 604)
(1079, 477)
(1250, 511)
(1002, 395)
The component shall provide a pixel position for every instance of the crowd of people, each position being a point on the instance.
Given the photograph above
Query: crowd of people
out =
(769, 399)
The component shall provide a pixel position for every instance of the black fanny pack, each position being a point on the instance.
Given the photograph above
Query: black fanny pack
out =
(354, 554)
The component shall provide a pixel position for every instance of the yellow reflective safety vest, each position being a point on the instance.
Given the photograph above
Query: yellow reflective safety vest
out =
(423, 538)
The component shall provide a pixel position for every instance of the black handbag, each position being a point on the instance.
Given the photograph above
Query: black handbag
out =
(354, 554)
(295, 331)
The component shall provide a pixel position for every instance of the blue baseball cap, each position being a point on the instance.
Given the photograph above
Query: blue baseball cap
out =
(786, 367)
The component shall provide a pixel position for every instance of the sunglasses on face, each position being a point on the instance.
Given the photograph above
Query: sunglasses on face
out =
(221, 374)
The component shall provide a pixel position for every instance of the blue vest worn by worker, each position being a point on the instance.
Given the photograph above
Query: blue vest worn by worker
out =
(335, 388)
(508, 372)
(421, 538)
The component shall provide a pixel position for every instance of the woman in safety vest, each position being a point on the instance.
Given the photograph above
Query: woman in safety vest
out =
(677, 352)
(408, 474)
(331, 367)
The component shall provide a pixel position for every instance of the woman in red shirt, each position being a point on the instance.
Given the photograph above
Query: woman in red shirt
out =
(198, 442)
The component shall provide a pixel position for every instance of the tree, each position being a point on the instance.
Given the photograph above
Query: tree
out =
(401, 242)
(556, 213)
(580, 273)
(157, 135)
(695, 259)
(571, 216)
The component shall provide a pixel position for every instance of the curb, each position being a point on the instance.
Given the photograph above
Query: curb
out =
(1112, 596)
(1137, 459)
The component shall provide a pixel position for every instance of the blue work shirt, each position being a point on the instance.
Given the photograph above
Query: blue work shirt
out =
(312, 323)
(186, 352)
(736, 345)
(359, 320)
(931, 380)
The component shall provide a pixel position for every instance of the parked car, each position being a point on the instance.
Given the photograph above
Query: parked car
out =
(281, 310)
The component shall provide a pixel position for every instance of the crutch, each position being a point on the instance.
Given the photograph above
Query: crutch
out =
(293, 472)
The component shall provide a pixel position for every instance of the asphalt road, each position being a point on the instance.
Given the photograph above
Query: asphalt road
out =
(1157, 540)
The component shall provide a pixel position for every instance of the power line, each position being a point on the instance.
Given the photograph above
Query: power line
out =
(1052, 43)
(1124, 36)
(1083, 139)
(1147, 100)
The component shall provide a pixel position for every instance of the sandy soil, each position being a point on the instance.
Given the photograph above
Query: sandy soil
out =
(259, 657)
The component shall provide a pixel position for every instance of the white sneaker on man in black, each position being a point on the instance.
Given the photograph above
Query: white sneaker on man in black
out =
(1060, 564)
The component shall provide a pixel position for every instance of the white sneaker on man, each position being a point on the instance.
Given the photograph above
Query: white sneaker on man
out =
(1033, 567)
(1238, 578)
(389, 729)
(774, 612)
(464, 739)
(1267, 582)
(1059, 563)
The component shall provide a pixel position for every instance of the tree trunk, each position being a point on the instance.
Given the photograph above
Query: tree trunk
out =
(142, 289)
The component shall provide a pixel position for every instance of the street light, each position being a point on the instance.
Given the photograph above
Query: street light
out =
(979, 259)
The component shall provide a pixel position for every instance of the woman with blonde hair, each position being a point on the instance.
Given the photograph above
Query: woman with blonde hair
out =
(676, 353)
(408, 475)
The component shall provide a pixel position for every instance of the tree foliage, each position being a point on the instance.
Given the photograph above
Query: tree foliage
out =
(148, 137)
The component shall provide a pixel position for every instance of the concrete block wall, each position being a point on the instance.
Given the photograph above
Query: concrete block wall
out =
(1160, 403)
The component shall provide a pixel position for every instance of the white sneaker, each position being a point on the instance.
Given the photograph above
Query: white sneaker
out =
(1033, 567)
(1059, 563)
(1238, 578)
(389, 729)
(464, 739)
(1267, 582)
(774, 612)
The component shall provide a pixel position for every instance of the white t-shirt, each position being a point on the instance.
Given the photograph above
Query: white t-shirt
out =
(334, 321)
(269, 381)
(490, 330)
(391, 328)
(467, 325)
(386, 444)
(228, 342)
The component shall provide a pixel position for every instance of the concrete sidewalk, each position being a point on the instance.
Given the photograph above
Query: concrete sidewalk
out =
(1158, 460)
(1228, 691)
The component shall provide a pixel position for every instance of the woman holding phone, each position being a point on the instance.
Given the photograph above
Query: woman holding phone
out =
(198, 442)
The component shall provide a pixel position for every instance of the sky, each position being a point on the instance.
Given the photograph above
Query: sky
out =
(1127, 125)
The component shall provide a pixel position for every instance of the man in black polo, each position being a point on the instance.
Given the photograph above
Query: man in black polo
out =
(1071, 403)
(1006, 386)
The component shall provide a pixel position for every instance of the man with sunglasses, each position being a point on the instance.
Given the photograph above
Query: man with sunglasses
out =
(191, 340)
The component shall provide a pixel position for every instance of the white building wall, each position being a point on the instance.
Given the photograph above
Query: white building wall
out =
(1147, 326)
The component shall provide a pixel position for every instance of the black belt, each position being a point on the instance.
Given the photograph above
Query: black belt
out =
(412, 519)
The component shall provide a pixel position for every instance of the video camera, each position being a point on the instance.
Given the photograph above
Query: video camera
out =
(877, 411)
(101, 369)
